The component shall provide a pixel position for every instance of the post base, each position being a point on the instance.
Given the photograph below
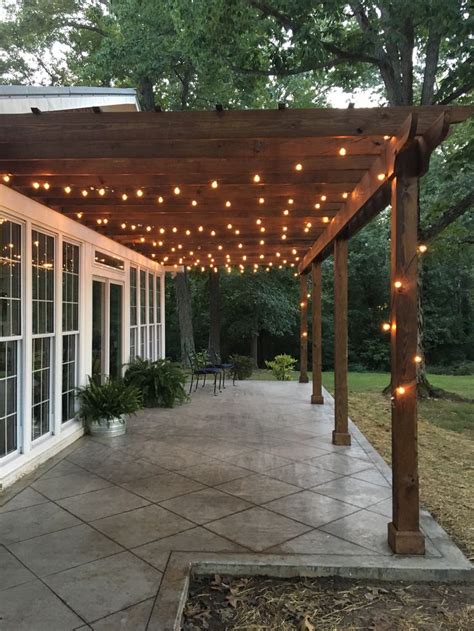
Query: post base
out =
(405, 541)
(317, 398)
(341, 438)
(303, 379)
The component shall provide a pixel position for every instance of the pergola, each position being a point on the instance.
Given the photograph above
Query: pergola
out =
(286, 187)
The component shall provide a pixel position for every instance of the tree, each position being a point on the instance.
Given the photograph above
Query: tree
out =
(257, 302)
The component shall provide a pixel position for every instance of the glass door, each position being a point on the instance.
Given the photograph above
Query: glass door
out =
(98, 329)
(107, 328)
(115, 330)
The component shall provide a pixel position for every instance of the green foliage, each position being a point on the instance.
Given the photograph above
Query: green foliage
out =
(242, 366)
(104, 402)
(161, 382)
(282, 366)
(200, 359)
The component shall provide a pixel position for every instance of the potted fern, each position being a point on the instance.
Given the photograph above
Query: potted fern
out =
(104, 407)
(161, 382)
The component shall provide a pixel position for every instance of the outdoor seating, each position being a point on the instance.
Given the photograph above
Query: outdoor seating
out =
(198, 371)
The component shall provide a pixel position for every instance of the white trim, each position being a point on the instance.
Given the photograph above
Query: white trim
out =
(34, 216)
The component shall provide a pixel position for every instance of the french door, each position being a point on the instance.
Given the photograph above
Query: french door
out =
(107, 328)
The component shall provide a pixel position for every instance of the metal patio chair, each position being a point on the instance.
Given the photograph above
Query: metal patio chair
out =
(218, 363)
(197, 371)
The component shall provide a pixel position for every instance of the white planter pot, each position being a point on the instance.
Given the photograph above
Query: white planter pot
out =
(116, 427)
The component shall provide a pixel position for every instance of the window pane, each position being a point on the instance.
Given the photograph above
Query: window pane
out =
(8, 397)
(10, 278)
(70, 286)
(41, 386)
(43, 282)
(69, 377)
(108, 260)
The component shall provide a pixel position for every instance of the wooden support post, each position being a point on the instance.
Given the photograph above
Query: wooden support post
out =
(303, 329)
(404, 536)
(340, 435)
(317, 396)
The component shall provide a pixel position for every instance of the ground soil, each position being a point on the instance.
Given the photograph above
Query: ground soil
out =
(222, 603)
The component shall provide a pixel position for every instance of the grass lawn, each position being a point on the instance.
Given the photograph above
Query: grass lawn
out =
(445, 440)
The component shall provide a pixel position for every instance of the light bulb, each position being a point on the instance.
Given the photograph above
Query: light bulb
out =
(160, 200)
(139, 193)
(67, 189)
(401, 390)
(290, 201)
(317, 206)
(200, 228)
(177, 190)
(397, 284)
(385, 326)
(101, 192)
(229, 226)
(286, 211)
(261, 200)
(228, 204)
(46, 186)
(214, 184)
(342, 151)
(323, 198)
(124, 197)
(258, 222)
(325, 219)
(194, 203)
(422, 248)
(36, 185)
(256, 178)
(84, 193)
(298, 166)
(345, 195)
(6, 178)
(381, 176)
(418, 359)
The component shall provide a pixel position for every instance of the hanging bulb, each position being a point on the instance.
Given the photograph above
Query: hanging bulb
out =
(298, 166)
(177, 190)
(342, 151)
(256, 178)
(139, 193)
(124, 197)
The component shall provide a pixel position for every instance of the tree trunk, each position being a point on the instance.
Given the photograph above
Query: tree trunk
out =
(147, 97)
(214, 314)
(254, 348)
(185, 315)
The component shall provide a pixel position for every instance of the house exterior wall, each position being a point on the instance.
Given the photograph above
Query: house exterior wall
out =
(48, 335)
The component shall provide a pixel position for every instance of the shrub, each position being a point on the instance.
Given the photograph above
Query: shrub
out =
(104, 402)
(161, 382)
(282, 366)
(242, 366)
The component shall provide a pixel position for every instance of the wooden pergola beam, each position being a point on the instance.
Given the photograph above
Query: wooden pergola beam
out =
(79, 128)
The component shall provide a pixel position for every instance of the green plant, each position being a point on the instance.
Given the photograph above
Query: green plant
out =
(201, 359)
(161, 382)
(108, 401)
(282, 366)
(242, 366)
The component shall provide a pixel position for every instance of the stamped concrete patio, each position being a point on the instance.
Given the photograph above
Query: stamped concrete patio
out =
(244, 478)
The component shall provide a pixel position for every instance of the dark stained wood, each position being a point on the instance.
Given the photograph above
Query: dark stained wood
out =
(316, 303)
(404, 535)
(303, 329)
(100, 152)
(340, 435)
(368, 189)
(150, 127)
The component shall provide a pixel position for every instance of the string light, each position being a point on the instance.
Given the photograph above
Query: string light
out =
(298, 166)
(160, 200)
(6, 178)
(101, 192)
(386, 326)
(124, 197)
(139, 193)
(214, 184)
(177, 190)
(162, 231)
(258, 222)
(123, 226)
(84, 193)
(401, 390)
(290, 201)
(293, 251)
(397, 284)
(418, 359)
(36, 185)
(213, 233)
(256, 178)
(323, 198)
(325, 219)
(229, 226)
(106, 220)
(345, 195)
(228, 204)
(188, 232)
(148, 228)
(422, 248)
(67, 189)
(286, 211)
(342, 151)
(262, 242)
(200, 228)
(261, 200)
(175, 229)
(262, 229)
(46, 186)
(194, 203)
(317, 206)
(79, 215)
(381, 176)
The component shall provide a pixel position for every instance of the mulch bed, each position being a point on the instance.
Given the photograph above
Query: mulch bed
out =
(326, 604)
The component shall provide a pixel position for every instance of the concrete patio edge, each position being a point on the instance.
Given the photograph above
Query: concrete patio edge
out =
(169, 606)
